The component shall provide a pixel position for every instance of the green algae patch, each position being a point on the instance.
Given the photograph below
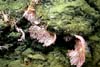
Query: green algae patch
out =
(11, 4)
(69, 16)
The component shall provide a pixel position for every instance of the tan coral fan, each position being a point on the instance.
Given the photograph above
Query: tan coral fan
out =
(22, 33)
(77, 56)
(29, 14)
(42, 35)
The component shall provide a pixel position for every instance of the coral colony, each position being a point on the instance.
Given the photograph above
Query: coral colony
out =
(42, 35)
(77, 56)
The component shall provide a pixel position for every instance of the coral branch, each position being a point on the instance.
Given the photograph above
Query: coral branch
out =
(42, 35)
(77, 56)
(5, 17)
(22, 32)
(30, 13)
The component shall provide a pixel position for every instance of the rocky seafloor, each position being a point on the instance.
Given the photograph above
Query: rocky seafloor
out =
(62, 17)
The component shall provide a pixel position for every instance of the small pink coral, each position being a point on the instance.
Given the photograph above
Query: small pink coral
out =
(77, 56)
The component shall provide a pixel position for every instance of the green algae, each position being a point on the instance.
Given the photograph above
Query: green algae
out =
(70, 16)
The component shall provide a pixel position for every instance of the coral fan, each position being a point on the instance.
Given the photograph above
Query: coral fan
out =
(77, 56)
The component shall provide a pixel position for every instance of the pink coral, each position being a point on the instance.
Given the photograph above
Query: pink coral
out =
(42, 35)
(77, 56)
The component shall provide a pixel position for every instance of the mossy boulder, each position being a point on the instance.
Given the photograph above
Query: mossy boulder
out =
(60, 16)
(70, 16)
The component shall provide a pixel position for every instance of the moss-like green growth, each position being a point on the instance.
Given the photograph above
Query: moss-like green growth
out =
(69, 16)
(61, 17)
(13, 4)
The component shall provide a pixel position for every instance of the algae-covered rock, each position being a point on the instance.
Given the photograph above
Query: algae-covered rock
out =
(69, 16)
(56, 58)
(95, 4)
(96, 54)
(4, 62)
(18, 63)
(61, 17)
(36, 56)
(2, 24)
(53, 59)
(13, 4)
